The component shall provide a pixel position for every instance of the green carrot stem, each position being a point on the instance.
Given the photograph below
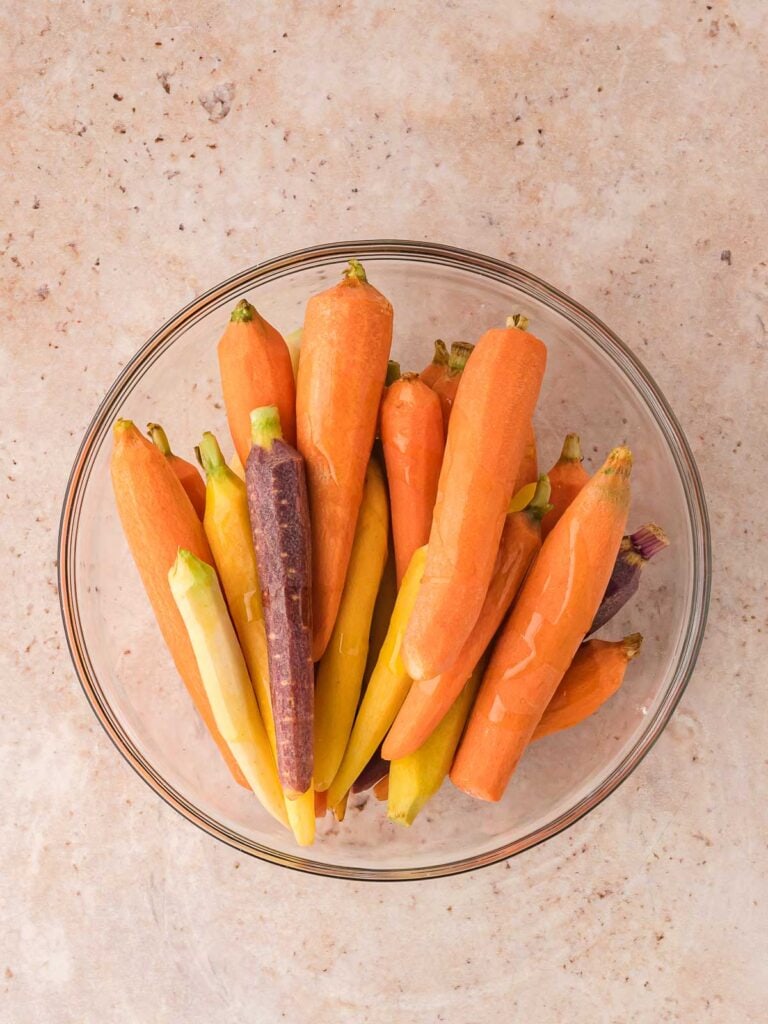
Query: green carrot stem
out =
(265, 426)
(460, 353)
(632, 644)
(355, 273)
(539, 505)
(243, 312)
(159, 438)
(209, 454)
(393, 372)
(518, 320)
(571, 449)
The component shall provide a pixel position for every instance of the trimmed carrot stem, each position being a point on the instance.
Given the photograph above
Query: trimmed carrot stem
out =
(567, 477)
(188, 475)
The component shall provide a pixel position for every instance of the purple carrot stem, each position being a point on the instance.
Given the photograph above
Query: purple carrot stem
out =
(635, 552)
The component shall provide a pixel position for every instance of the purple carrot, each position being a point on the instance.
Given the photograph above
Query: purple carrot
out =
(635, 552)
(373, 772)
(279, 512)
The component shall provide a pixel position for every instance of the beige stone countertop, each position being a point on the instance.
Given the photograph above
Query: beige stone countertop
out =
(616, 148)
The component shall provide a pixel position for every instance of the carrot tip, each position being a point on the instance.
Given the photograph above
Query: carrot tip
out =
(159, 438)
(460, 353)
(518, 320)
(619, 461)
(539, 504)
(632, 645)
(265, 426)
(393, 372)
(355, 273)
(571, 449)
(440, 358)
(243, 312)
(209, 454)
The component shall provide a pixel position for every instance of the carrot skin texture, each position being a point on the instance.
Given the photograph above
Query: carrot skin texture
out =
(256, 370)
(158, 518)
(412, 438)
(485, 446)
(529, 467)
(430, 700)
(277, 502)
(595, 674)
(345, 349)
(551, 616)
(567, 477)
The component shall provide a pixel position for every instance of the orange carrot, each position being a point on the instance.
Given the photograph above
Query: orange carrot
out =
(438, 366)
(596, 673)
(158, 519)
(553, 612)
(381, 789)
(485, 446)
(256, 370)
(344, 353)
(430, 700)
(321, 804)
(567, 477)
(447, 384)
(190, 478)
(412, 438)
(529, 467)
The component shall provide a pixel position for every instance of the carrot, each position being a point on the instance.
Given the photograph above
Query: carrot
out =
(256, 370)
(485, 446)
(529, 467)
(344, 353)
(382, 613)
(553, 612)
(414, 780)
(596, 673)
(412, 438)
(386, 691)
(340, 810)
(158, 519)
(446, 386)
(340, 672)
(567, 477)
(321, 803)
(190, 479)
(438, 366)
(430, 700)
(277, 502)
(381, 789)
(197, 593)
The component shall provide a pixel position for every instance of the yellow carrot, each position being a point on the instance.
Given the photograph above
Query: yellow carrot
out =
(387, 687)
(196, 591)
(340, 673)
(414, 779)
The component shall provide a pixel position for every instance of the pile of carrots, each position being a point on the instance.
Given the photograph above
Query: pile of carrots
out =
(379, 589)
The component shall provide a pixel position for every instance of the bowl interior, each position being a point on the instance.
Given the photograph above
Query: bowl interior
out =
(591, 386)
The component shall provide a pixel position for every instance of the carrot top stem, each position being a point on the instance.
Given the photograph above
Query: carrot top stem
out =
(265, 426)
(518, 320)
(460, 353)
(393, 372)
(632, 644)
(649, 540)
(158, 437)
(539, 505)
(243, 312)
(571, 449)
(619, 461)
(209, 454)
(355, 273)
(440, 357)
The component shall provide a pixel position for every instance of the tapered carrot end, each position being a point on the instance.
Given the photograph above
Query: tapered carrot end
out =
(355, 273)
(619, 462)
(631, 645)
(159, 438)
(243, 312)
(571, 449)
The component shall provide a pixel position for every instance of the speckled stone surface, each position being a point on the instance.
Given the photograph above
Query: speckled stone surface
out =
(616, 148)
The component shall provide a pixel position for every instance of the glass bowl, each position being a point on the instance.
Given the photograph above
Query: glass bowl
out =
(594, 385)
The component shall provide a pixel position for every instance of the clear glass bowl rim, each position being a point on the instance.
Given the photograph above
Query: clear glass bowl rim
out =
(421, 252)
